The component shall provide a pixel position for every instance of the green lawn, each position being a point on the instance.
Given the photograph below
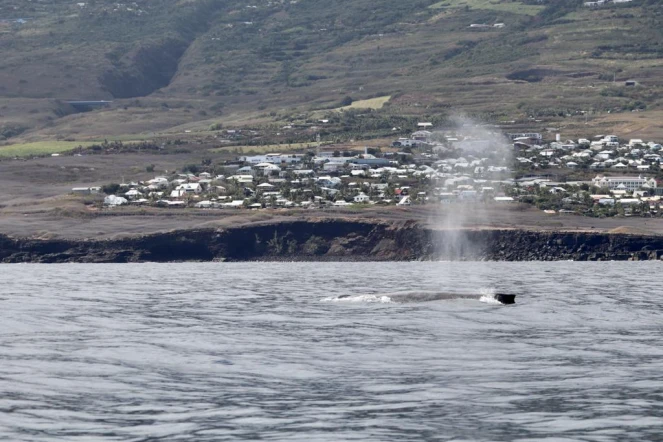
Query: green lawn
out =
(493, 5)
(41, 148)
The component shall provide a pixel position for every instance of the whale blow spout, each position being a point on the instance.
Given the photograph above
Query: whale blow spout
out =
(505, 298)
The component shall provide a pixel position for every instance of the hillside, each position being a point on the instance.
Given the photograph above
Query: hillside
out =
(171, 64)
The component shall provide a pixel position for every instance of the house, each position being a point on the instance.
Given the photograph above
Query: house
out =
(242, 179)
(407, 142)
(303, 172)
(333, 166)
(190, 188)
(362, 198)
(133, 194)
(178, 193)
(467, 195)
(526, 136)
(246, 170)
(274, 158)
(371, 161)
(422, 135)
(271, 169)
(112, 200)
(205, 205)
(328, 181)
(233, 204)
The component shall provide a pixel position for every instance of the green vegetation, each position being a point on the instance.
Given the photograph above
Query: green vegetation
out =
(513, 7)
(41, 148)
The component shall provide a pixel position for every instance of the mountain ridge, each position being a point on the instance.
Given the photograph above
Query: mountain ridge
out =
(210, 60)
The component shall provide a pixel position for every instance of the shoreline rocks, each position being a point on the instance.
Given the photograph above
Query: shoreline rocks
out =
(337, 240)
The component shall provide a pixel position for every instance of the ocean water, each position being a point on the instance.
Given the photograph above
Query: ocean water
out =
(275, 351)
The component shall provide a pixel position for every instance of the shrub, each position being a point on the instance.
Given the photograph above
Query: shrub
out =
(110, 189)
(193, 168)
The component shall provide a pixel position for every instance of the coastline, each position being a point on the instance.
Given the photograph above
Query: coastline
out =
(338, 240)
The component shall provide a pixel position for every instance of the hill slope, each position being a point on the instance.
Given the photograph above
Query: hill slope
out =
(167, 63)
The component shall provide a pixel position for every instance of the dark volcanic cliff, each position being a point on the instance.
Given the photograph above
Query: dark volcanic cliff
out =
(337, 240)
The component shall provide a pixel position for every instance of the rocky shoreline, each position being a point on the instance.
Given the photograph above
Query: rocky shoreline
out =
(337, 240)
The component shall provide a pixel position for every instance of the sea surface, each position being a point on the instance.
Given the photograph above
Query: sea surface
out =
(274, 351)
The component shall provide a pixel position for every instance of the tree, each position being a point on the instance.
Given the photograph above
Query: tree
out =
(110, 189)
(347, 101)
(193, 168)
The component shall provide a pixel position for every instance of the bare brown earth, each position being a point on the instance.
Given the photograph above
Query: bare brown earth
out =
(36, 202)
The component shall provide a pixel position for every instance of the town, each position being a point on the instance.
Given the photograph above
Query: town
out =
(602, 176)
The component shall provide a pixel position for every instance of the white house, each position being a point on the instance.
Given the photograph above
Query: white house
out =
(190, 187)
(405, 201)
(133, 194)
(244, 179)
(362, 198)
(112, 200)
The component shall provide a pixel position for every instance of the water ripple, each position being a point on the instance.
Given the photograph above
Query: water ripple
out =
(225, 352)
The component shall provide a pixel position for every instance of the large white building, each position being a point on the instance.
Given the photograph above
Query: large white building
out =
(274, 158)
(624, 182)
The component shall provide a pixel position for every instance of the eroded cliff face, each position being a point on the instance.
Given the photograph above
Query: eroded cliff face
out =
(337, 241)
(147, 68)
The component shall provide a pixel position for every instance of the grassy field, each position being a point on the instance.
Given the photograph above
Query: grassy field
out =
(41, 148)
(492, 5)
(371, 103)
(268, 148)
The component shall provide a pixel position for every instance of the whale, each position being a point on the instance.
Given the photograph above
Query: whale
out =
(421, 296)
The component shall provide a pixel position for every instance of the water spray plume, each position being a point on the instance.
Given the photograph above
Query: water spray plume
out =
(473, 159)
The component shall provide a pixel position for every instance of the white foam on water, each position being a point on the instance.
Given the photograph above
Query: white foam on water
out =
(489, 299)
(488, 296)
(359, 298)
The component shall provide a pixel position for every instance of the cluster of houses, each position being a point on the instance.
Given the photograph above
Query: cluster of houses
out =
(631, 193)
(326, 178)
(603, 152)
(624, 171)
(425, 168)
